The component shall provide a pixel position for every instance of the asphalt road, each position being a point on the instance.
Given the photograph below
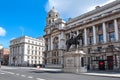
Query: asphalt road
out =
(31, 74)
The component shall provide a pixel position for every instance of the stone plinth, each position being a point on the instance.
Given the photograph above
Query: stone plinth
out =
(75, 61)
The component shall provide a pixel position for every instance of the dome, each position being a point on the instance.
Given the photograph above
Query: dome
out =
(53, 10)
(53, 13)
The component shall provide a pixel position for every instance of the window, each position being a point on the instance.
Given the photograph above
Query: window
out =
(49, 15)
(52, 20)
(56, 15)
(90, 29)
(110, 25)
(28, 46)
(99, 48)
(35, 52)
(32, 52)
(28, 51)
(100, 27)
(111, 36)
(82, 62)
(32, 47)
(89, 49)
(101, 38)
(91, 40)
(28, 41)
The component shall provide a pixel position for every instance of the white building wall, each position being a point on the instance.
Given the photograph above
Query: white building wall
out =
(21, 51)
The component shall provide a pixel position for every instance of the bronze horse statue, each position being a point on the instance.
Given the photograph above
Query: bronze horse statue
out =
(74, 41)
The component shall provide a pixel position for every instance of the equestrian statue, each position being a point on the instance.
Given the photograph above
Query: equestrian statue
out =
(74, 40)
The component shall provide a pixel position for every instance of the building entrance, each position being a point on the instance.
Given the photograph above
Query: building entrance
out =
(110, 62)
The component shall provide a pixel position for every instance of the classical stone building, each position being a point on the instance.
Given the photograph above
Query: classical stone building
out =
(55, 39)
(4, 55)
(101, 37)
(26, 51)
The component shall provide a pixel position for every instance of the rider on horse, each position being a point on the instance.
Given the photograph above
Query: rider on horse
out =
(72, 35)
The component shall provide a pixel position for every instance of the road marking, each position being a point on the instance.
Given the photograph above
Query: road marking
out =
(2, 73)
(17, 74)
(23, 75)
(30, 77)
(7, 72)
(40, 79)
(11, 73)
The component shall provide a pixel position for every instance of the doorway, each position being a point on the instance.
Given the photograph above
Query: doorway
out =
(110, 62)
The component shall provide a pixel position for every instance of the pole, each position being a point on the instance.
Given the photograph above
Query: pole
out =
(0, 64)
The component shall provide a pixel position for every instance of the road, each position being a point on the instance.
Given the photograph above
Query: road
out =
(32, 74)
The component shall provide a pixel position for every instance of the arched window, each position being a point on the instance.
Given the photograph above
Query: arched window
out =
(55, 43)
(49, 15)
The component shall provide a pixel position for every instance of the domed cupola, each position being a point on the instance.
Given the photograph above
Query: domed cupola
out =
(52, 16)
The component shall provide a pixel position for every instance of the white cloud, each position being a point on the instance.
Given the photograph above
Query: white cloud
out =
(73, 8)
(2, 31)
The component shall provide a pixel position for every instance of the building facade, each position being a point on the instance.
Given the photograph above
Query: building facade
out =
(26, 51)
(55, 39)
(4, 55)
(101, 37)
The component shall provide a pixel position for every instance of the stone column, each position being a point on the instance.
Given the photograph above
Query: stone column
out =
(104, 32)
(85, 36)
(116, 30)
(94, 34)
(51, 43)
(59, 43)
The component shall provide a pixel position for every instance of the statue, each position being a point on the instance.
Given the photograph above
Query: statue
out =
(72, 35)
(74, 40)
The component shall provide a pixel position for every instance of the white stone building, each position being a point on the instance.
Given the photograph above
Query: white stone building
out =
(101, 36)
(26, 51)
(55, 39)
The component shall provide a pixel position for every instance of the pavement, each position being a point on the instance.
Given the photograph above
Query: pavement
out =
(106, 73)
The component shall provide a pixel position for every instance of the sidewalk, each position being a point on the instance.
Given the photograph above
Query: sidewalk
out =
(106, 73)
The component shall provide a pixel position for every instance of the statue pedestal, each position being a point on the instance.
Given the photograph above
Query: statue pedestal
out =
(75, 61)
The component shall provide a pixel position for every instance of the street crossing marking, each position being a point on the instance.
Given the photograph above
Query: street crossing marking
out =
(2, 73)
(17, 74)
(40, 79)
(23, 75)
(30, 77)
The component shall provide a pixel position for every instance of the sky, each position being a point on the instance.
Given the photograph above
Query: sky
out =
(28, 17)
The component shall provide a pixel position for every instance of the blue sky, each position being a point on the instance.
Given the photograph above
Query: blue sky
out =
(29, 16)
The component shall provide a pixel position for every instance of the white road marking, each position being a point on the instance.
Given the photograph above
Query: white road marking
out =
(11, 73)
(40, 79)
(2, 73)
(17, 74)
(23, 75)
(30, 77)
(7, 72)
